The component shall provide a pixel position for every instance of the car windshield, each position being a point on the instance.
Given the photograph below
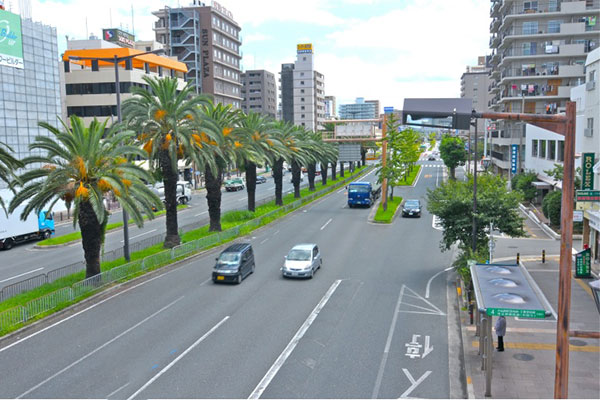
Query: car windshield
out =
(358, 189)
(229, 258)
(412, 204)
(299, 255)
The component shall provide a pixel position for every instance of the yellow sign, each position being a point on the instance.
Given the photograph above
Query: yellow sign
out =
(304, 48)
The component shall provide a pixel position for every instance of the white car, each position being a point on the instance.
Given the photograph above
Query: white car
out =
(302, 261)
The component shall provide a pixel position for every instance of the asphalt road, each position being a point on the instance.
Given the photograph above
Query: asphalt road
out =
(371, 324)
(24, 261)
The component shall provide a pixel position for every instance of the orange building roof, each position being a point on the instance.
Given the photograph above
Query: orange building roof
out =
(138, 62)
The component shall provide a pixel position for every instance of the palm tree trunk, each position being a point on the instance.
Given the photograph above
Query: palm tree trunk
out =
(296, 178)
(250, 168)
(91, 238)
(278, 177)
(342, 169)
(324, 173)
(311, 176)
(333, 173)
(363, 156)
(213, 197)
(170, 187)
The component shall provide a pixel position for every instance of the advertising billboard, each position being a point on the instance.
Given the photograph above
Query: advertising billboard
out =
(118, 37)
(11, 42)
(304, 48)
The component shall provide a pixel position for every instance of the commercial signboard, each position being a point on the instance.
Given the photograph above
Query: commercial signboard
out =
(577, 215)
(583, 264)
(355, 129)
(117, 36)
(11, 41)
(304, 48)
(588, 195)
(514, 155)
(587, 171)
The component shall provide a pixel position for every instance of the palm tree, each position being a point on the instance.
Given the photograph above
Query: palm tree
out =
(164, 118)
(8, 167)
(216, 127)
(300, 154)
(81, 166)
(329, 154)
(284, 133)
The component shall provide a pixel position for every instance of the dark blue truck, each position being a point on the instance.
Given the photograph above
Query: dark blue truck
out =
(362, 194)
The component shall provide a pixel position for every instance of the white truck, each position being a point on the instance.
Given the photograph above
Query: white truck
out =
(184, 192)
(13, 230)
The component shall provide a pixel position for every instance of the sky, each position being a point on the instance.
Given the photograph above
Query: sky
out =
(377, 49)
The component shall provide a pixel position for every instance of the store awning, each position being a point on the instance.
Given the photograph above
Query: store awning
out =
(542, 185)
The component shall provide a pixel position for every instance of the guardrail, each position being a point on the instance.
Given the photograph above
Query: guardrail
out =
(21, 314)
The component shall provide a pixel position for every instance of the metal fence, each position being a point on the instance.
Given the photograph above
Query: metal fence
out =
(50, 301)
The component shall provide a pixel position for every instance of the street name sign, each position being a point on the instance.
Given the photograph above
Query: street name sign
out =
(588, 195)
(512, 312)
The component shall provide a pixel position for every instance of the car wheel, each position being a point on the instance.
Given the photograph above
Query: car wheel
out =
(312, 273)
(239, 279)
(320, 264)
(8, 244)
(252, 269)
(46, 235)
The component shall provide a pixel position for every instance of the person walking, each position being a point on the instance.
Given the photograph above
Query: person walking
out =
(500, 331)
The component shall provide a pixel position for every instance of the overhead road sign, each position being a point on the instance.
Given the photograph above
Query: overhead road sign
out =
(448, 113)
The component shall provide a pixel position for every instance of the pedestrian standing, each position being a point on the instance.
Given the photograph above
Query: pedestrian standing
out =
(500, 331)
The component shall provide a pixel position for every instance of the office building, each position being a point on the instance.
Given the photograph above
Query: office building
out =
(474, 84)
(539, 50)
(30, 81)
(330, 107)
(360, 109)
(207, 40)
(303, 90)
(259, 92)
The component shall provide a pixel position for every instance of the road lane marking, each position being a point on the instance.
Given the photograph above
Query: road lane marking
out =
(141, 234)
(432, 309)
(266, 380)
(97, 349)
(122, 387)
(203, 212)
(24, 273)
(264, 241)
(414, 383)
(326, 223)
(431, 279)
(165, 369)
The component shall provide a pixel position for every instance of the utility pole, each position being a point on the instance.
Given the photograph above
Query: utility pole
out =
(384, 162)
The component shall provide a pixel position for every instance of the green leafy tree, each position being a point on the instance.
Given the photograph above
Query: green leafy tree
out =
(551, 206)
(524, 183)
(452, 151)
(80, 166)
(164, 118)
(393, 170)
(8, 168)
(558, 171)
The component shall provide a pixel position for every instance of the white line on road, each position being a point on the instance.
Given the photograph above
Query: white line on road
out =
(113, 393)
(264, 241)
(243, 199)
(431, 279)
(24, 273)
(414, 383)
(326, 223)
(342, 190)
(97, 349)
(203, 212)
(266, 380)
(141, 234)
(165, 369)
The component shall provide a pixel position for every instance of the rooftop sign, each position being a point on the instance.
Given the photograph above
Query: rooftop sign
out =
(304, 48)
(117, 36)
(11, 43)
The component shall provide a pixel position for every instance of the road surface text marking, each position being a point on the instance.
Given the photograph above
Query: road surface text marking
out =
(97, 349)
(24, 273)
(413, 348)
(413, 383)
(266, 380)
(165, 369)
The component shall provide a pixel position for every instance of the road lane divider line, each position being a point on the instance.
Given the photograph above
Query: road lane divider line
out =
(264, 241)
(431, 279)
(165, 369)
(326, 223)
(119, 389)
(266, 380)
(203, 212)
(97, 349)
(20, 275)
(141, 234)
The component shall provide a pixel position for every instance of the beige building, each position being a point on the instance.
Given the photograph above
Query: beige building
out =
(474, 84)
(259, 92)
(539, 50)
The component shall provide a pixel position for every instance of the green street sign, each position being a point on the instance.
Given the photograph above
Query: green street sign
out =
(588, 195)
(583, 264)
(514, 312)
(587, 171)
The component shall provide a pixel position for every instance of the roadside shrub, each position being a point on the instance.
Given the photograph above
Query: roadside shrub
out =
(524, 183)
(551, 207)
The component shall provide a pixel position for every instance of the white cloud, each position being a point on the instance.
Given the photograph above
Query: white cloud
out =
(256, 37)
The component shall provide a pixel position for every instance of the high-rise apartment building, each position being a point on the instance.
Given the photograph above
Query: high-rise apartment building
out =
(30, 81)
(360, 109)
(474, 84)
(538, 54)
(308, 90)
(207, 40)
(259, 92)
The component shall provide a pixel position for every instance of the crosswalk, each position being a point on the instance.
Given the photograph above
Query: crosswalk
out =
(432, 165)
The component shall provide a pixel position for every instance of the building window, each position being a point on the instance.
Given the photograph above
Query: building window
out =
(301, 98)
(530, 6)
(530, 28)
(302, 107)
(554, 26)
(552, 150)
(529, 49)
(302, 82)
(590, 126)
(542, 149)
(534, 148)
(592, 75)
(561, 151)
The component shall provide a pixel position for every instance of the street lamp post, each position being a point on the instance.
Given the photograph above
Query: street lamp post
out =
(116, 61)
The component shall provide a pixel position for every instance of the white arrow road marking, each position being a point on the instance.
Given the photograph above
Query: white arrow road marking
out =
(428, 349)
(414, 383)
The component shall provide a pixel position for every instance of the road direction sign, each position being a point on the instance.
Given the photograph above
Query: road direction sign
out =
(388, 110)
(513, 312)
(583, 264)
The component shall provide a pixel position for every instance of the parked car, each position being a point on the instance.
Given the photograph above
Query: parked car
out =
(302, 261)
(411, 208)
(260, 179)
(234, 263)
(234, 184)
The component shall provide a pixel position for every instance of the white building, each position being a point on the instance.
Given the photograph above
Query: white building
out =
(308, 90)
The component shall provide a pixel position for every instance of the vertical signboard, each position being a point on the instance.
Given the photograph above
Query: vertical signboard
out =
(514, 155)
(11, 43)
(587, 171)
(583, 263)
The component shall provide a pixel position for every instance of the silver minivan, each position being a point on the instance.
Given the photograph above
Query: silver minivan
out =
(302, 261)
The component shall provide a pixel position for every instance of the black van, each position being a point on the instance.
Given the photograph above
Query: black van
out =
(234, 263)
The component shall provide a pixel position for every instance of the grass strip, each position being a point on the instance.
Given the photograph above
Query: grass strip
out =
(387, 215)
(412, 175)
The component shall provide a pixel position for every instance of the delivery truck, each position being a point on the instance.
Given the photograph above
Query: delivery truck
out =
(13, 230)
(362, 194)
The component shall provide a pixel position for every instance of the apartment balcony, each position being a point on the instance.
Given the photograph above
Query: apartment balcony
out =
(495, 8)
(552, 92)
(495, 24)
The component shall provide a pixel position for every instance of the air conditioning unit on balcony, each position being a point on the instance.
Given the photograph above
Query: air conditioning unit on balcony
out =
(589, 132)
(591, 85)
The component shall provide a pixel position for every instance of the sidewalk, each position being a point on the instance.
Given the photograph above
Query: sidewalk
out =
(526, 368)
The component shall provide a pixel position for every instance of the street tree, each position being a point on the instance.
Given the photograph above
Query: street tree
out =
(164, 119)
(80, 166)
(284, 133)
(393, 169)
(524, 183)
(8, 167)
(452, 151)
